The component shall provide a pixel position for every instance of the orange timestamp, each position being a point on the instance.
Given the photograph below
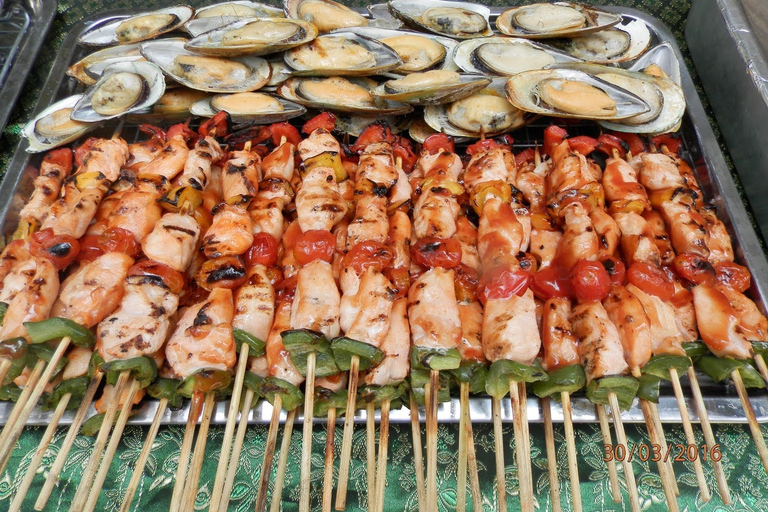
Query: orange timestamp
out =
(655, 452)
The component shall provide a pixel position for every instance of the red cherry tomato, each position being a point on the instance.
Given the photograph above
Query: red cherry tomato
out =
(155, 131)
(286, 288)
(326, 120)
(651, 280)
(438, 141)
(617, 271)
(553, 136)
(672, 142)
(119, 240)
(263, 250)
(83, 149)
(525, 156)
(185, 131)
(733, 275)
(61, 157)
(465, 281)
(89, 248)
(695, 269)
(220, 122)
(400, 279)
(502, 283)
(607, 143)
(633, 141)
(431, 252)
(590, 281)
(287, 130)
(375, 132)
(314, 244)
(172, 278)
(61, 250)
(225, 272)
(482, 146)
(583, 144)
(403, 149)
(551, 282)
(368, 254)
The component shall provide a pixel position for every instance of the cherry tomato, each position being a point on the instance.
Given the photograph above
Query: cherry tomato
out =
(220, 122)
(431, 252)
(465, 281)
(525, 156)
(287, 130)
(672, 142)
(61, 157)
(553, 136)
(502, 283)
(155, 131)
(551, 282)
(172, 278)
(403, 149)
(695, 269)
(733, 275)
(225, 272)
(400, 279)
(185, 131)
(583, 144)
(119, 240)
(527, 261)
(286, 288)
(368, 254)
(83, 149)
(89, 248)
(616, 269)
(314, 244)
(438, 141)
(326, 120)
(607, 143)
(255, 135)
(651, 280)
(482, 146)
(263, 250)
(633, 141)
(590, 281)
(61, 250)
(375, 132)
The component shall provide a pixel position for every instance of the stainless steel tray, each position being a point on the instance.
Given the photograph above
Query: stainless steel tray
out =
(699, 140)
(23, 26)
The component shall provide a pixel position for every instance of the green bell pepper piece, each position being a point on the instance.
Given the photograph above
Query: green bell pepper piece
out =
(302, 342)
(750, 376)
(326, 399)
(474, 372)
(45, 352)
(166, 388)
(503, 371)
(425, 358)
(649, 387)
(291, 395)
(142, 368)
(624, 387)
(344, 348)
(253, 382)
(10, 392)
(760, 347)
(695, 349)
(718, 368)
(56, 328)
(17, 366)
(379, 394)
(256, 347)
(660, 365)
(205, 381)
(75, 387)
(3, 309)
(92, 425)
(96, 363)
(13, 348)
(567, 379)
(419, 381)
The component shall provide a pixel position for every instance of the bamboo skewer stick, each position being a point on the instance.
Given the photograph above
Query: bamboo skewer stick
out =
(474, 476)
(431, 399)
(663, 442)
(141, 462)
(277, 492)
(570, 444)
(5, 367)
(522, 449)
(370, 448)
(461, 476)
(498, 439)
(186, 449)
(346, 442)
(709, 436)
(269, 454)
(754, 426)
(193, 476)
(306, 447)
(689, 437)
(381, 472)
(330, 440)
(69, 440)
(621, 438)
(237, 448)
(418, 453)
(549, 437)
(761, 367)
(613, 476)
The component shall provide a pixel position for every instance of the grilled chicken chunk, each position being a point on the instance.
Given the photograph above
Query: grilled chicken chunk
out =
(317, 302)
(600, 346)
(34, 301)
(433, 311)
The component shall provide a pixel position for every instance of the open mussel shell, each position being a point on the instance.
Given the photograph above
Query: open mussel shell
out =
(485, 113)
(279, 73)
(124, 87)
(418, 51)
(210, 74)
(663, 56)
(382, 18)
(253, 37)
(53, 127)
(620, 43)
(354, 125)
(174, 105)
(239, 9)
(138, 28)
(558, 19)
(419, 130)
(326, 15)
(342, 54)
(249, 107)
(572, 93)
(431, 87)
(505, 56)
(458, 20)
(89, 69)
(350, 95)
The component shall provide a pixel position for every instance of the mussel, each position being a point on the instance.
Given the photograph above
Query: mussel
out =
(351, 95)
(239, 9)
(54, 127)
(89, 69)
(172, 106)
(431, 87)
(342, 54)
(558, 19)
(137, 28)
(459, 20)
(326, 15)
(505, 56)
(253, 37)
(620, 43)
(249, 107)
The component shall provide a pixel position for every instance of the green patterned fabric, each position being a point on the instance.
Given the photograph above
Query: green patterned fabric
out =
(746, 477)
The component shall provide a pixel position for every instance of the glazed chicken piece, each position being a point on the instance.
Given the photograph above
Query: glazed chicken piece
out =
(138, 210)
(399, 239)
(433, 311)
(267, 209)
(319, 141)
(173, 241)
(14, 253)
(377, 164)
(319, 204)
(78, 362)
(231, 232)
(108, 396)
(495, 165)
(143, 152)
(687, 228)
(510, 329)
(106, 156)
(580, 239)
(719, 323)
(600, 348)
(278, 358)
(638, 241)
(396, 347)
(543, 246)
(466, 234)
(685, 313)
(34, 301)
(718, 239)
(621, 187)
(752, 323)
(402, 190)
(72, 214)
(439, 166)
(502, 233)
(658, 171)
(56, 166)
(626, 312)
(570, 171)
(255, 304)
(561, 348)
(607, 231)
(660, 236)
(532, 182)
(665, 334)
(279, 163)
(435, 213)
(197, 167)
(16, 281)
(471, 344)
(170, 161)
(317, 302)
(370, 221)
(366, 306)
(241, 174)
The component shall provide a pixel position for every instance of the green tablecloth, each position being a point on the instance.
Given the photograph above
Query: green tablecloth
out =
(748, 481)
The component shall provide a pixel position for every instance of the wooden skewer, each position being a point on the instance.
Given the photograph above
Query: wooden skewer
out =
(78, 502)
(269, 454)
(549, 438)
(570, 444)
(237, 447)
(754, 426)
(689, 437)
(346, 440)
(193, 476)
(29, 476)
(461, 475)
(418, 453)
(186, 450)
(138, 470)
(69, 440)
(613, 476)
(330, 441)
(381, 472)
(621, 437)
(277, 492)
(709, 436)
(663, 442)
(229, 430)
(306, 446)
(474, 475)
(758, 360)
(431, 399)
(498, 440)
(370, 448)
(114, 441)
(5, 367)
(522, 449)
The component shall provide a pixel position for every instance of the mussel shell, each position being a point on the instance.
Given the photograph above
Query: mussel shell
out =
(340, 99)
(521, 55)
(151, 82)
(419, 130)
(620, 43)
(53, 127)
(412, 13)
(239, 9)
(89, 69)
(326, 15)
(523, 92)
(432, 93)
(107, 34)
(594, 20)
(384, 57)
(279, 73)
(663, 56)
(238, 104)
(354, 125)
(243, 74)
(382, 18)
(221, 42)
